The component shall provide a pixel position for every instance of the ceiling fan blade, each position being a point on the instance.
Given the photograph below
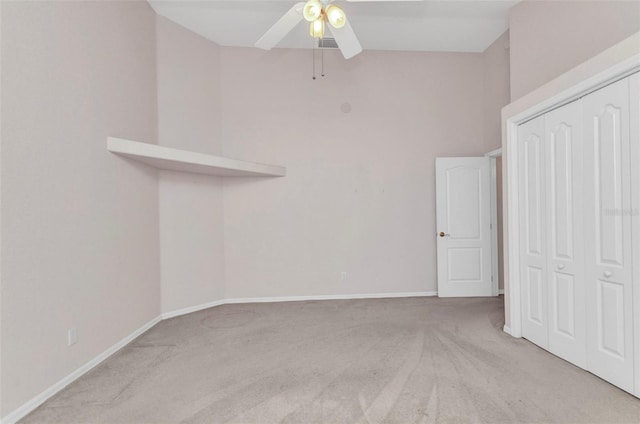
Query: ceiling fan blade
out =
(281, 28)
(346, 40)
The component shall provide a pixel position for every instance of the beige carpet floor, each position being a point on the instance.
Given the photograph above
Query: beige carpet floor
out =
(412, 360)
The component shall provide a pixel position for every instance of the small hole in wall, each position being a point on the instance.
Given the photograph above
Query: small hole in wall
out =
(345, 107)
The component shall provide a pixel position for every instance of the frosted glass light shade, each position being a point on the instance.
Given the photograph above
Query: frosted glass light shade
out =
(312, 10)
(316, 29)
(336, 16)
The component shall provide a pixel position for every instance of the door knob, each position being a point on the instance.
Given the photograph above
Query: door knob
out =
(608, 274)
(560, 266)
(443, 234)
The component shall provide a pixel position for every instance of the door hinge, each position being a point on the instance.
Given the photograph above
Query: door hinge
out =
(492, 278)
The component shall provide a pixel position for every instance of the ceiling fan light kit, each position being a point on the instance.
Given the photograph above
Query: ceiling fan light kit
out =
(314, 12)
(317, 13)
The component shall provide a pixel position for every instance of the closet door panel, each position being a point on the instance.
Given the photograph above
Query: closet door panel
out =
(609, 195)
(532, 229)
(608, 259)
(564, 305)
(565, 258)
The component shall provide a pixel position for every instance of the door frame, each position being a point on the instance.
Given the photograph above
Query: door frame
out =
(495, 274)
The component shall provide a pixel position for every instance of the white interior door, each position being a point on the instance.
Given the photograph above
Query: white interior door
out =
(463, 215)
(608, 271)
(533, 267)
(565, 235)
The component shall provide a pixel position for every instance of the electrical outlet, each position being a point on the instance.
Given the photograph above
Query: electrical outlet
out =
(72, 336)
(343, 275)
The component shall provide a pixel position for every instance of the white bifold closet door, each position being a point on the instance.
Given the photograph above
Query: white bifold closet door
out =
(565, 235)
(533, 267)
(576, 210)
(552, 264)
(608, 213)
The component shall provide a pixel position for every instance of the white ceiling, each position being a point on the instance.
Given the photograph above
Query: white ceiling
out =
(445, 25)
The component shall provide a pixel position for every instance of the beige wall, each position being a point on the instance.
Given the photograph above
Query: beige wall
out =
(550, 37)
(496, 88)
(79, 225)
(496, 96)
(359, 196)
(191, 211)
(81, 229)
(103, 244)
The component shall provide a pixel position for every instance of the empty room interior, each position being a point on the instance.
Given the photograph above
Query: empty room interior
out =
(349, 211)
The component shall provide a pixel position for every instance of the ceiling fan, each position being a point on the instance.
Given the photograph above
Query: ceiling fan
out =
(317, 13)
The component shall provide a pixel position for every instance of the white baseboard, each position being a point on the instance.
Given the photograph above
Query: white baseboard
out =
(507, 330)
(26, 408)
(329, 297)
(190, 309)
(500, 291)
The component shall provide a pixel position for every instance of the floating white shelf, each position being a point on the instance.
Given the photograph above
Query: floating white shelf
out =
(185, 161)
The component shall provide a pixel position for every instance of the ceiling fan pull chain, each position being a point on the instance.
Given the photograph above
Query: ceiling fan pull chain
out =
(313, 55)
(322, 50)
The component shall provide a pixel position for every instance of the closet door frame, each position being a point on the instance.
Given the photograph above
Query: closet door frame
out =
(541, 105)
(634, 134)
